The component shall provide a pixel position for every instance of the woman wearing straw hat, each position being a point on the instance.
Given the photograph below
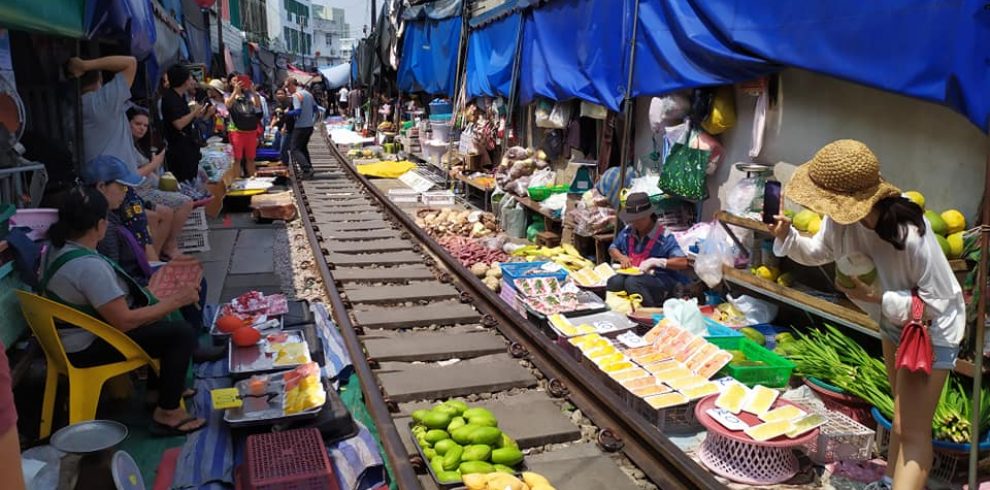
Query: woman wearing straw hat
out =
(645, 244)
(866, 214)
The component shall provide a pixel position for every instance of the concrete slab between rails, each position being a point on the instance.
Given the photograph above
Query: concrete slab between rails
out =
(419, 291)
(386, 245)
(580, 467)
(386, 258)
(350, 236)
(432, 346)
(349, 217)
(484, 375)
(444, 313)
(353, 226)
(402, 273)
(531, 418)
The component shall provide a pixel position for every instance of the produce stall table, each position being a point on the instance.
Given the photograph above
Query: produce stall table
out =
(468, 185)
(736, 456)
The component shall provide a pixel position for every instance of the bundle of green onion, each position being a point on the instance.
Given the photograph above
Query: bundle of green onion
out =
(833, 357)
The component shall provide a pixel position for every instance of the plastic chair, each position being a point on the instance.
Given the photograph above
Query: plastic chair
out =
(85, 384)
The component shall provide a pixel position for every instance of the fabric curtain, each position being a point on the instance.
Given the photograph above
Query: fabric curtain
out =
(429, 56)
(491, 51)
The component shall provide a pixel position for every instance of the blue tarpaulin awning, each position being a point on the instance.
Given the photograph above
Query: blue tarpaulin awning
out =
(577, 49)
(336, 76)
(491, 51)
(429, 56)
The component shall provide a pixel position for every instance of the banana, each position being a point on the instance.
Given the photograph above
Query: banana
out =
(570, 250)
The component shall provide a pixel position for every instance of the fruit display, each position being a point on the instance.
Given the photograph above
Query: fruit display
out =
(504, 481)
(449, 221)
(593, 277)
(303, 389)
(517, 165)
(245, 337)
(229, 323)
(948, 226)
(807, 221)
(565, 255)
(459, 440)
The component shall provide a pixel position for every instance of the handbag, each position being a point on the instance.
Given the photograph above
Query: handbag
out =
(684, 171)
(915, 352)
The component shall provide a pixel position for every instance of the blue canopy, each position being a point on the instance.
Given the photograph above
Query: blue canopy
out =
(929, 49)
(677, 49)
(436, 10)
(134, 19)
(576, 49)
(490, 53)
(429, 56)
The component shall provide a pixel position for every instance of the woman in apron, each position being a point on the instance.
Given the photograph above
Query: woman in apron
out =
(646, 246)
(74, 274)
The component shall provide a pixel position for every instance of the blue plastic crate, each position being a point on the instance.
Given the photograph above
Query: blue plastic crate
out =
(529, 270)
(715, 329)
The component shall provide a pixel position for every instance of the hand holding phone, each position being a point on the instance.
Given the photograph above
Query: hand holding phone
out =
(771, 201)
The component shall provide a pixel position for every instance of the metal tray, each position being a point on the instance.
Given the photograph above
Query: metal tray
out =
(258, 358)
(220, 335)
(261, 411)
(607, 323)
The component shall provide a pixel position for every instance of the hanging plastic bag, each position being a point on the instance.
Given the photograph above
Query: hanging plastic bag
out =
(542, 178)
(558, 117)
(593, 111)
(686, 314)
(685, 171)
(513, 218)
(716, 251)
(723, 111)
(755, 310)
(667, 110)
(623, 302)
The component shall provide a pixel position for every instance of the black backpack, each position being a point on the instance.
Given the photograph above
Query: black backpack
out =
(243, 114)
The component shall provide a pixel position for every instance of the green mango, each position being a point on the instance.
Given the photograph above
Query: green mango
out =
(485, 435)
(423, 443)
(418, 415)
(476, 411)
(436, 420)
(483, 420)
(430, 453)
(469, 467)
(452, 458)
(443, 446)
(476, 452)
(459, 405)
(506, 441)
(501, 468)
(508, 456)
(436, 435)
(447, 409)
(462, 434)
(437, 465)
(456, 423)
(449, 477)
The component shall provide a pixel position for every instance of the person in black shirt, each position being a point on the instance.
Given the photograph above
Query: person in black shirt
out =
(183, 146)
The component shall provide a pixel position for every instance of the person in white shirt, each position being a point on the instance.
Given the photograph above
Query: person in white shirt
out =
(342, 100)
(865, 214)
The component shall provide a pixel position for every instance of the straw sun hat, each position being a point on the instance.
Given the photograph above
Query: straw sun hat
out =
(841, 181)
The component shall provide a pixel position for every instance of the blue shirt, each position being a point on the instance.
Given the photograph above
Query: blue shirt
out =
(665, 247)
(303, 101)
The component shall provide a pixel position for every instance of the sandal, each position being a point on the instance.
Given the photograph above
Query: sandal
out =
(159, 429)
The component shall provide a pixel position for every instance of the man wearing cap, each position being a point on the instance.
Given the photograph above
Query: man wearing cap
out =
(646, 245)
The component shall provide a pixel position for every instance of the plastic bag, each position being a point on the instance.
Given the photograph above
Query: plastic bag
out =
(622, 302)
(513, 218)
(667, 110)
(593, 111)
(553, 115)
(686, 314)
(715, 252)
(740, 199)
(755, 310)
(542, 178)
(723, 111)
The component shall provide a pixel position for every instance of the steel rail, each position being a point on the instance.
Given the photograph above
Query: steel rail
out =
(659, 458)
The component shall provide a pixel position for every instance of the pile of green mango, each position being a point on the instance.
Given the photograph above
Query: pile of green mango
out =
(460, 440)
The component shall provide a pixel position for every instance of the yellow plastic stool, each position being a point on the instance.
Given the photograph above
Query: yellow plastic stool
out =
(85, 384)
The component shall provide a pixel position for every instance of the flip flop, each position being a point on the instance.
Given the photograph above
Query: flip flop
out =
(159, 429)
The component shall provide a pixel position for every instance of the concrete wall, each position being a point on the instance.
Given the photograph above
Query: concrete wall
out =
(921, 146)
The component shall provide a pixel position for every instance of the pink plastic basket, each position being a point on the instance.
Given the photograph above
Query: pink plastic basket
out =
(39, 220)
(290, 460)
(747, 463)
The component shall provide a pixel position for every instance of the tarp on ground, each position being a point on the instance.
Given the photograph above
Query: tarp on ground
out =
(576, 49)
(676, 49)
(930, 49)
(56, 17)
(336, 76)
(491, 50)
(429, 56)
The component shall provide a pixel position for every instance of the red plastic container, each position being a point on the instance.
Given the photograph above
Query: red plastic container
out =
(290, 460)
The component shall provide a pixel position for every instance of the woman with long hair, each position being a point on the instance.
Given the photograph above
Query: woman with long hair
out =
(867, 215)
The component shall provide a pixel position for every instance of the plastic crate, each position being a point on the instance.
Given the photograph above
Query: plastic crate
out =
(190, 241)
(290, 460)
(775, 374)
(838, 400)
(438, 198)
(841, 439)
(526, 270)
(196, 220)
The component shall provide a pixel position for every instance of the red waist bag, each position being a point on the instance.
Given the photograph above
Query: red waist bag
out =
(915, 352)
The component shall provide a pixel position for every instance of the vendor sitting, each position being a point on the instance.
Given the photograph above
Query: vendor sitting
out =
(645, 244)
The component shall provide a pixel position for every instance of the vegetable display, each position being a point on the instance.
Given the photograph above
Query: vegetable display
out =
(833, 357)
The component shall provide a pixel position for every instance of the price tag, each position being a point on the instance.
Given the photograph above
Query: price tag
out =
(727, 419)
(224, 398)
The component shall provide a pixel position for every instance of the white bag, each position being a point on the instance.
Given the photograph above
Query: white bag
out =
(716, 251)
(593, 111)
(755, 310)
(686, 314)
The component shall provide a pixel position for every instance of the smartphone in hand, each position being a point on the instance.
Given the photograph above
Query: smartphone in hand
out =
(771, 201)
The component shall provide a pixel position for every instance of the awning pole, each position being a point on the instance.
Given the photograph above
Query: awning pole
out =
(981, 312)
(514, 87)
(627, 108)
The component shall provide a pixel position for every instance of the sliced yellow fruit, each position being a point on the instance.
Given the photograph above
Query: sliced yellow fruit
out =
(768, 430)
(628, 374)
(666, 400)
(732, 398)
(617, 366)
(760, 400)
(701, 390)
(686, 382)
(786, 413)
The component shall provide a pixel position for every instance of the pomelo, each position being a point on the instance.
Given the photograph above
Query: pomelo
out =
(938, 224)
(814, 225)
(916, 197)
(855, 264)
(944, 243)
(802, 219)
(954, 221)
(956, 245)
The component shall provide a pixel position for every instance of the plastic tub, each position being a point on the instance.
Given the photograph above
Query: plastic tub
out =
(441, 131)
(526, 270)
(433, 151)
(37, 219)
(441, 106)
(775, 374)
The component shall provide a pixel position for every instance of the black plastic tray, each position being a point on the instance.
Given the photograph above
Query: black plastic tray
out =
(520, 468)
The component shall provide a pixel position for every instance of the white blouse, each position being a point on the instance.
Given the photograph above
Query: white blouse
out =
(920, 265)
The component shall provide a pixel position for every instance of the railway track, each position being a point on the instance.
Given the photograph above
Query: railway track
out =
(420, 328)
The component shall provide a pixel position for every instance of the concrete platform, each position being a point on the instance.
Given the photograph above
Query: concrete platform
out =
(431, 346)
(353, 226)
(253, 252)
(402, 273)
(418, 291)
(444, 313)
(580, 467)
(386, 258)
(365, 246)
(427, 382)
